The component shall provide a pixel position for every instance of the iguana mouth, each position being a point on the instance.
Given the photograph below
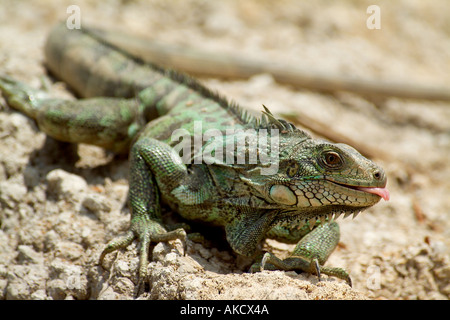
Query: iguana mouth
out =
(381, 192)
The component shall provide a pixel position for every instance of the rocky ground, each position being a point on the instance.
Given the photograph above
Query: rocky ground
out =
(58, 209)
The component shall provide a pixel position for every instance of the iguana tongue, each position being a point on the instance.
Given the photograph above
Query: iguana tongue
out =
(382, 192)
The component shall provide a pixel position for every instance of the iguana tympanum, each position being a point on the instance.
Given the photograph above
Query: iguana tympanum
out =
(206, 158)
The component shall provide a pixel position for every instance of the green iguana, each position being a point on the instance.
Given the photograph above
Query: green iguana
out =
(133, 106)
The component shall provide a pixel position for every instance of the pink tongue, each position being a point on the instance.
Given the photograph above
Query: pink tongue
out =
(382, 192)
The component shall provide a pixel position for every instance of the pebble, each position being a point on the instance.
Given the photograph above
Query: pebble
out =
(66, 186)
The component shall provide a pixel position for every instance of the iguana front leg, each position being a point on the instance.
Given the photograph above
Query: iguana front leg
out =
(153, 164)
(310, 254)
(110, 123)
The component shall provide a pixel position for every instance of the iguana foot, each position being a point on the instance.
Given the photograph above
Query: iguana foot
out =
(146, 232)
(20, 96)
(293, 263)
(310, 254)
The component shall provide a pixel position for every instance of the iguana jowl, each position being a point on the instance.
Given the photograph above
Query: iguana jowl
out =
(130, 105)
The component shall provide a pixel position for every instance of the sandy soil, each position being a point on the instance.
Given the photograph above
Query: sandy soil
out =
(57, 210)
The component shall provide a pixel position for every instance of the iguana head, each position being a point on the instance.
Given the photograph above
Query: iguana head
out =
(317, 179)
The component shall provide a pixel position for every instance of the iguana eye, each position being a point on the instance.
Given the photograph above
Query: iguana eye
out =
(332, 159)
(292, 169)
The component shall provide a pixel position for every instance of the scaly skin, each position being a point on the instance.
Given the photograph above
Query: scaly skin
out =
(134, 106)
